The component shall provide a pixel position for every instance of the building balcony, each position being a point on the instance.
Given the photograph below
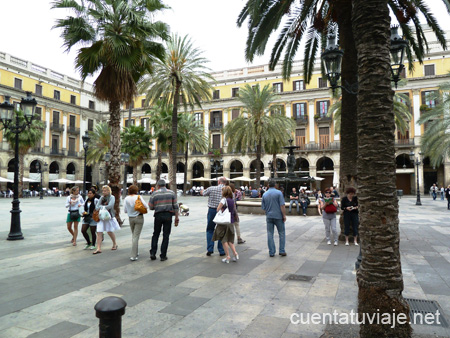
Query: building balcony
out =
(196, 152)
(72, 153)
(301, 120)
(408, 142)
(57, 152)
(37, 150)
(323, 146)
(73, 130)
(57, 127)
(216, 126)
(323, 119)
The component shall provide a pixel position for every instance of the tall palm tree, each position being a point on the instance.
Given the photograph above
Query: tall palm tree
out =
(117, 39)
(27, 140)
(160, 122)
(136, 141)
(99, 146)
(191, 135)
(255, 128)
(435, 141)
(379, 277)
(181, 76)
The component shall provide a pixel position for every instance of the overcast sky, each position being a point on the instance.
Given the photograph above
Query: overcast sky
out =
(26, 31)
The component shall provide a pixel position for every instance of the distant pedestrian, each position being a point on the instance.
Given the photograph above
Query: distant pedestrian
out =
(74, 202)
(447, 195)
(237, 195)
(351, 215)
(107, 200)
(329, 208)
(88, 221)
(215, 195)
(164, 202)
(225, 232)
(434, 191)
(335, 192)
(274, 205)
(136, 219)
(442, 193)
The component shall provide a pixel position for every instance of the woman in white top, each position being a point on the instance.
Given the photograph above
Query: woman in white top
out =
(136, 219)
(74, 202)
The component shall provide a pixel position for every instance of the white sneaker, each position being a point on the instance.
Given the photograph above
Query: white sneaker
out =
(133, 259)
(356, 243)
(329, 242)
(346, 243)
(235, 258)
(87, 247)
(335, 243)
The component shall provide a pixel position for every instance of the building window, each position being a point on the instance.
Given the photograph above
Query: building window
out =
(429, 98)
(216, 141)
(91, 105)
(299, 110)
(57, 95)
(90, 124)
(275, 111)
(235, 113)
(38, 114)
(322, 108)
(324, 137)
(322, 83)
(403, 73)
(216, 118)
(144, 123)
(143, 103)
(16, 105)
(429, 70)
(72, 146)
(55, 144)
(278, 87)
(127, 122)
(216, 94)
(298, 85)
(55, 117)
(72, 120)
(300, 138)
(17, 83)
(127, 106)
(234, 92)
(38, 90)
(73, 99)
(198, 117)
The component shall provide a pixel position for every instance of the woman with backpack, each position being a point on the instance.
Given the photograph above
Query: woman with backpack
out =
(88, 221)
(135, 206)
(329, 206)
(108, 223)
(74, 202)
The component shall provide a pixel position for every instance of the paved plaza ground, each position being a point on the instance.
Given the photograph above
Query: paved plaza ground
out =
(48, 288)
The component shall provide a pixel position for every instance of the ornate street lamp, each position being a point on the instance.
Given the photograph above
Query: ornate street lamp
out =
(124, 159)
(86, 140)
(7, 115)
(41, 171)
(216, 164)
(398, 46)
(417, 162)
(107, 159)
(271, 169)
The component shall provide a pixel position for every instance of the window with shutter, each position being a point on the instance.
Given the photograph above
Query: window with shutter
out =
(322, 83)
(38, 90)
(234, 92)
(322, 108)
(216, 94)
(300, 138)
(298, 85)
(429, 70)
(56, 117)
(57, 95)
(216, 141)
(17, 83)
(38, 114)
(324, 137)
(278, 87)
(429, 98)
(235, 113)
(72, 120)
(299, 110)
(90, 125)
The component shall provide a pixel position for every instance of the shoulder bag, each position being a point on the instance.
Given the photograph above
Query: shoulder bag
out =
(330, 208)
(223, 216)
(139, 206)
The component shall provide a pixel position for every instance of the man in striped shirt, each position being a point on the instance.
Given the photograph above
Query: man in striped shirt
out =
(164, 202)
(215, 195)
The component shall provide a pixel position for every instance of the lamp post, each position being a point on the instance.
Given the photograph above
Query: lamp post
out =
(216, 165)
(107, 158)
(7, 115)
(332, 58)
(41, 171)
(417, 162)
(124, 159)
(271, 169)
(86, 140)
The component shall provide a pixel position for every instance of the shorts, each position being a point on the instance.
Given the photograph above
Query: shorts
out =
(69, 220)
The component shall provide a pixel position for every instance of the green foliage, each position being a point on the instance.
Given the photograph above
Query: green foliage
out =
(136, 141)
(191, 133)
(161, 122)
(99, 143)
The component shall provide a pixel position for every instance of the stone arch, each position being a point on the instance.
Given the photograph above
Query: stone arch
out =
(301, 164)
(54, 168)
(180, 167)
(236, 166)
(198, 169)
(194, 161)
(33, 169)
(71, 169)
(146, 169)
(403, 161)
(164, 168)
(281, 165)
(324, 163)
(11, 165)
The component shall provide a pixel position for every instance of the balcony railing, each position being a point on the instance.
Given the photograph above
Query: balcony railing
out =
(404, 142)
(72, 153)
(323, 146)
(323, 119)
(216, 126)
(57, 127)
(301, 120)
(196, 152)
(57, 152)
(73, 130)
(37, 150)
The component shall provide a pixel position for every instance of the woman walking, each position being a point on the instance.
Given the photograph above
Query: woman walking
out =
(107, 200)
(88, 221)
(74, 202)
(329, 206)
(237, 197)
(136, 219)
(351, 216)
(225, 232)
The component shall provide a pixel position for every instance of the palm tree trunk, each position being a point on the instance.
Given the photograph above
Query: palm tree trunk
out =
(258, 165)
(159, 165)
(173, 153)
(379, 277)
(135, 169)
(114, 167)
(185, 170)
(274, 165)
(21, 168)
(348, 135)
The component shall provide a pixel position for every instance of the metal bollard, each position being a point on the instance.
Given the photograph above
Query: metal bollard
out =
(110, 311)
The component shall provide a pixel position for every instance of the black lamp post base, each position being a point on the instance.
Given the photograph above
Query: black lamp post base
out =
(15, 236)
(418, 203)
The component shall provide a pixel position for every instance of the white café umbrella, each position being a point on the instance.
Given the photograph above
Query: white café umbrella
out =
(314, 177)
(62, 180)
(147, 180)
(264, 178)
(26, 179)
(243, 179)
(5, 180)
(79, 182)
(201, 179)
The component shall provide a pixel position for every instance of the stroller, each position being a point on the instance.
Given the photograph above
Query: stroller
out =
(184, 209)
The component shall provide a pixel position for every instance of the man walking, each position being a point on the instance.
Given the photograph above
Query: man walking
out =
(164, 202)
(215, 195)
(274, 206)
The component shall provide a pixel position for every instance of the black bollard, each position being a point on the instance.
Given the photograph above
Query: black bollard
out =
(110, 311)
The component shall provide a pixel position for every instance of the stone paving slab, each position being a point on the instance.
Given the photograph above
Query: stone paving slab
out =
(47, 286)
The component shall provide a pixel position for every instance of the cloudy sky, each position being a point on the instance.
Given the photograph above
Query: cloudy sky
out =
(26, 27)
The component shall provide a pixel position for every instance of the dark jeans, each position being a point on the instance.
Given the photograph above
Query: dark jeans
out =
(434, 195)
(353, 219)
(448, 203)
(304, 206)
(162, 220)
(84, 230)
(210, 232)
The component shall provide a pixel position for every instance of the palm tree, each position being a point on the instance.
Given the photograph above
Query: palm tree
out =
(435, 141)
(161, 122)
(117, 39)
(99, 146)
(181, 76)
(379, 277)
(191, 135)
(255, 128)
(27, 140)
(136, 141)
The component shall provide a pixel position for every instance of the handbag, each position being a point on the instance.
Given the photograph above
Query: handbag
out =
(104, 214)
(74, 214)
(139, 206)
(96, 215)
(223, 216)
(330, 209)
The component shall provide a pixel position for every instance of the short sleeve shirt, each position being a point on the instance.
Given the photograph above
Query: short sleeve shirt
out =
(271, 203)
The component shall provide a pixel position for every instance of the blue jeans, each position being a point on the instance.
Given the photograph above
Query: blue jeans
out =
(304, 206)
(296, 203)
(271, 223)
(210, 231)
(434, 195)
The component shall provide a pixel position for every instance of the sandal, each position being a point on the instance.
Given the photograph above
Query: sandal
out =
(241, 241)
(74, 243)
(114, 247)
(96, 252)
